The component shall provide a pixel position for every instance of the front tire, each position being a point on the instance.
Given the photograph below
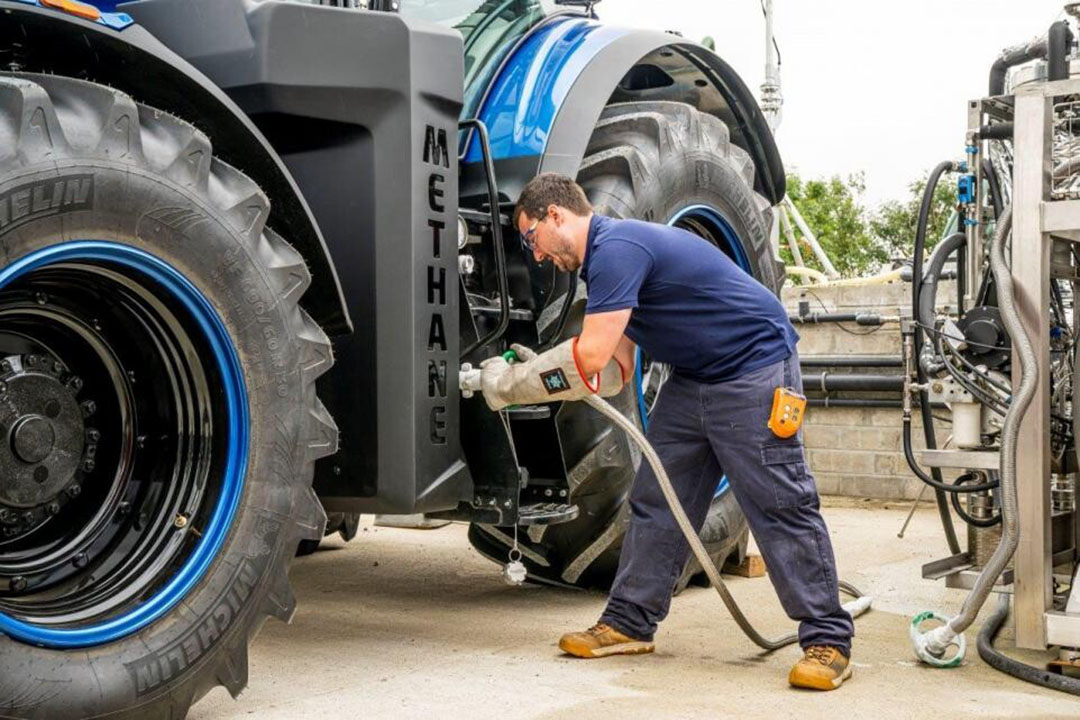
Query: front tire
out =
(141, 285)
(662, 162)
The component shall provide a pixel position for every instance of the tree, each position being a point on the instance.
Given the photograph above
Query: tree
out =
(833, 210)
(895, 221)
(859, 241)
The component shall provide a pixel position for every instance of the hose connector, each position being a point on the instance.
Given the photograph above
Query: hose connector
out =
(469, 380)
(932, 646)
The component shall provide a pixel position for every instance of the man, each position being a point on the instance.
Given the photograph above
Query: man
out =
(731, 345)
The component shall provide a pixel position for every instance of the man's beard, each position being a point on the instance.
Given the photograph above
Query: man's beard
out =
(565, 258)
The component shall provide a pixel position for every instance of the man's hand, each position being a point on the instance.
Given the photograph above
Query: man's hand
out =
(543, 378)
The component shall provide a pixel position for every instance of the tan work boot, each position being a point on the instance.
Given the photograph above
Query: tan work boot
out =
(601, 640)
(822, 668)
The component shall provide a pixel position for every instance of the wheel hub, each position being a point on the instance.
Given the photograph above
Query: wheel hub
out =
(46, 443)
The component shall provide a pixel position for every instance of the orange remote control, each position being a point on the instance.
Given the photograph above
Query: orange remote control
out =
(788, 409)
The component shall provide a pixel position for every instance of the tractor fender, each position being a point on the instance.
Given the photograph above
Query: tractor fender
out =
(547, 96)
(133, 60)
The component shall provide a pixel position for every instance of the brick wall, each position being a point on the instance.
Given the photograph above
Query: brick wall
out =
(858, 451)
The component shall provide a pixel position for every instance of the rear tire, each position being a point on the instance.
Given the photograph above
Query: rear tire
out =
(652, 161)
(86, 166)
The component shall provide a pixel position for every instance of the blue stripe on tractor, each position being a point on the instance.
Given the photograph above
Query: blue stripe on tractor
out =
(733, 248)
(228, 364)
(528, 92)
(109, 16)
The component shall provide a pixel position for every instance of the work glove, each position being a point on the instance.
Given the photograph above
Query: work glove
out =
(545, 377)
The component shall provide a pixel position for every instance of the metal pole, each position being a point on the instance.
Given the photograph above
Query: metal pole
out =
(789, 234)
(771, 99)
(808, 235)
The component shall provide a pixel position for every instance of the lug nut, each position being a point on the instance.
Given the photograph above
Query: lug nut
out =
(93, 435)
(18, 584)
(54, 508)
(4, 515)
(180, 522)
(74, 491)
(80, 560)
(89, 465)
(89, 407)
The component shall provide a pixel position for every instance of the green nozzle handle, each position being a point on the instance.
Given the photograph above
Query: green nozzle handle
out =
(510, 356)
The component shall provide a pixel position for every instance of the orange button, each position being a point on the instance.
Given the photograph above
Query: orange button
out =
(74, 7)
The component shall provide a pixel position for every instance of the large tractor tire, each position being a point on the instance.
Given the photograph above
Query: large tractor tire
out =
(345, 525)
(159, 421)
(662, 162)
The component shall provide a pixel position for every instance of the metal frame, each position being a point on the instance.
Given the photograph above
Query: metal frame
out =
(1037, 223)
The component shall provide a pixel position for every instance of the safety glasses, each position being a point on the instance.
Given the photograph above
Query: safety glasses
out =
(528, 238)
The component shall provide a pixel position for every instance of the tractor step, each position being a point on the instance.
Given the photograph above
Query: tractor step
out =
(546, 513)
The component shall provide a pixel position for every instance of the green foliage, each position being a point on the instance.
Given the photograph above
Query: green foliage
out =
(894, 223)
(834, 211)
(857, 240)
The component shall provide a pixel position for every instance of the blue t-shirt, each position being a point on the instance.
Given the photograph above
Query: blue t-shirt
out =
(693, 307)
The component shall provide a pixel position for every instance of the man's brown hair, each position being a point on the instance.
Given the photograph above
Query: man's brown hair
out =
(551, 189)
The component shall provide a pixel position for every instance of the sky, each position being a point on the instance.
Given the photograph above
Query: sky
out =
(869, 85)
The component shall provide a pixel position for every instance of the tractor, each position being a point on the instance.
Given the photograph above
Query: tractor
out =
(247, 246)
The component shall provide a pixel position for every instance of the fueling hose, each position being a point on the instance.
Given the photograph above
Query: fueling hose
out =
(470, 381)
(932, 646)
(856, 607)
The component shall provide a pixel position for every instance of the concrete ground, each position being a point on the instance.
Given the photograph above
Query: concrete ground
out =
(414, 623)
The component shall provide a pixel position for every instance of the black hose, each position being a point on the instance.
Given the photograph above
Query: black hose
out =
(840, 382)
(928, 286)
(995, 189)
(1004, 663)
(1011, 57)
(564, 314)
(938, 486)
(826, 317)
(1059, 41)
(994, 403)
(964, 515)
(996, 131)
(935, 478)
(827, 402)
(808, 361)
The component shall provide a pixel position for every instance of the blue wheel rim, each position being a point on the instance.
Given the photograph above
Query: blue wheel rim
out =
(227, 362)
(730, 244)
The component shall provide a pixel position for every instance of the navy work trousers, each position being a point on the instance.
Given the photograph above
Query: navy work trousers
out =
(701, 431)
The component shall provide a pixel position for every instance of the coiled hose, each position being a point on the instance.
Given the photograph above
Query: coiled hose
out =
(856, 607)
(931, 646)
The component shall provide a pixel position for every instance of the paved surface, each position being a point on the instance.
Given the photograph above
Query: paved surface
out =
(412, 623)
